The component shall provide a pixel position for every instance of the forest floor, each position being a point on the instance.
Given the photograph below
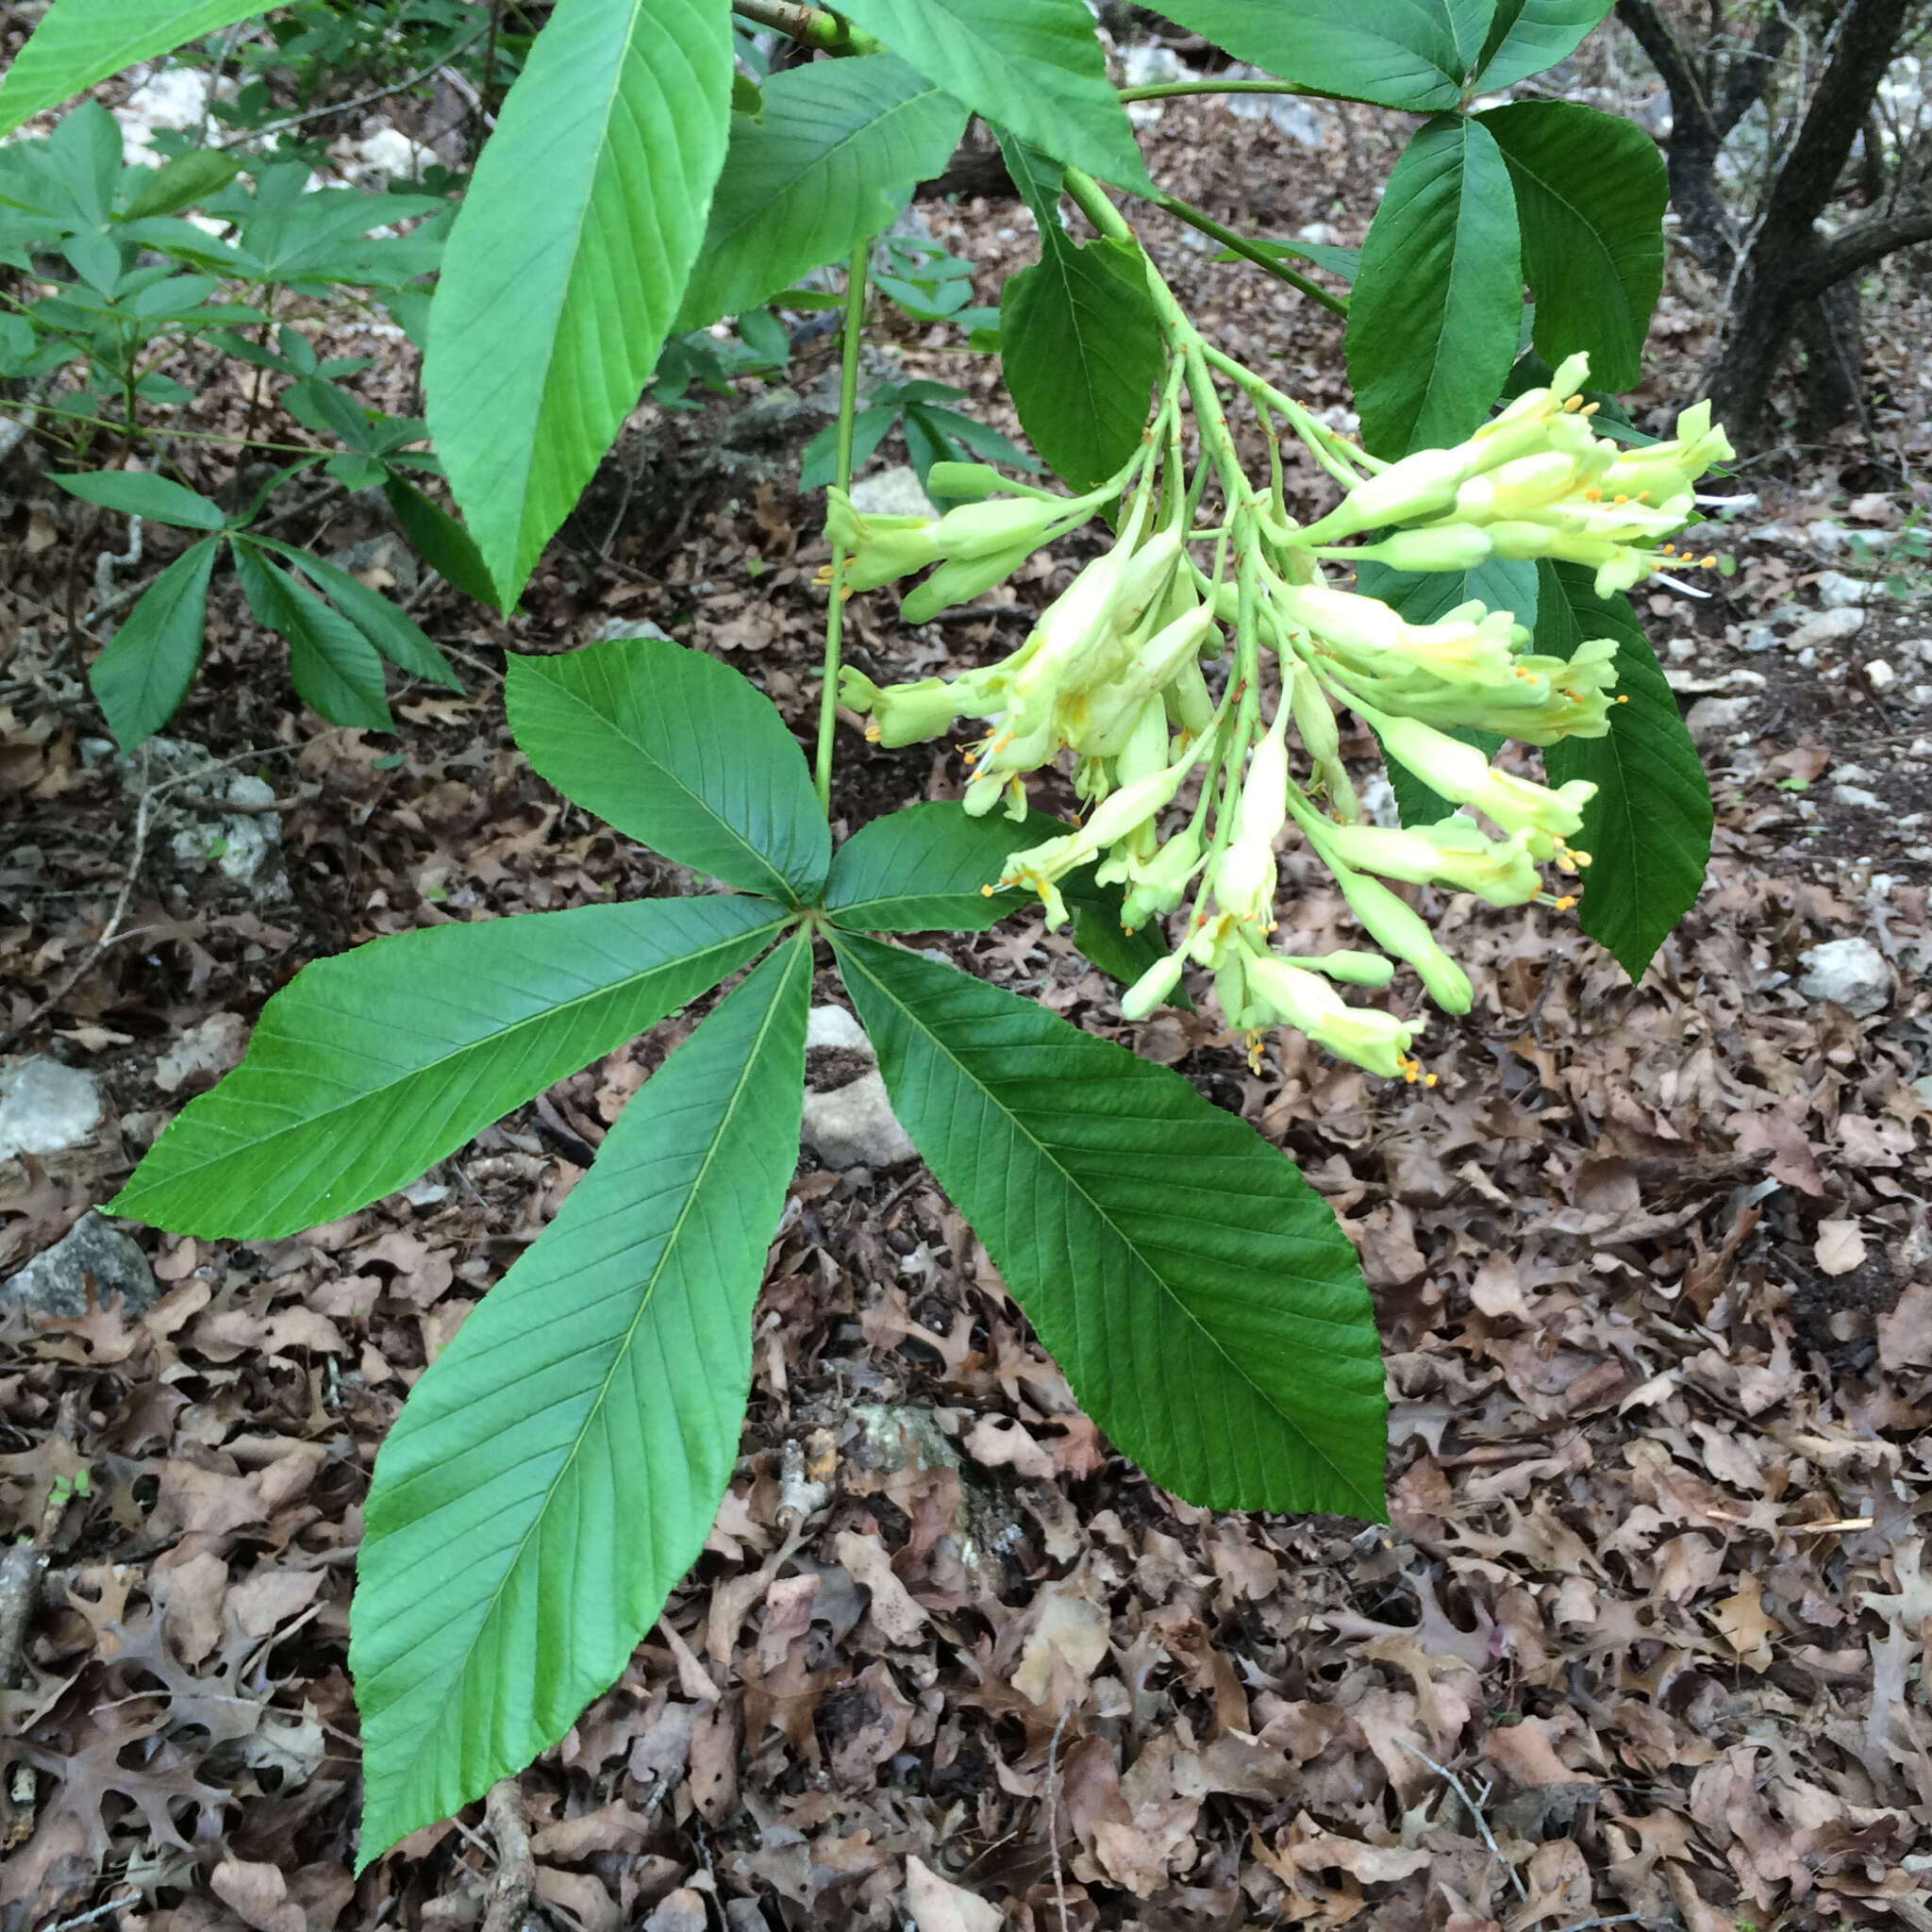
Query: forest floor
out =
(1645, 1639)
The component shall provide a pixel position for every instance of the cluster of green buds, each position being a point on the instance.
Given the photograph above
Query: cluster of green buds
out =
(1536, 481)
(1188, 785)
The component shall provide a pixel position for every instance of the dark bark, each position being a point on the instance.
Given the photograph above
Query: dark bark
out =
(1830, 331)
(1785, 267)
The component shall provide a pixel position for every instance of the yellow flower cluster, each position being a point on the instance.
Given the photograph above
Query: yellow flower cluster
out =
(1112, 673)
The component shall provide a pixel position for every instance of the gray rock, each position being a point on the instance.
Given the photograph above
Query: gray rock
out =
(56, 1281)
(1856, 795)
(45, 1107)
(387, 553)
(1852, 974)
(1837, 592)
(1826, 627)
(854, 1126)
(1710, 719)
(246, 846)
(893, 492)
(848, 1118)
(1758, 639)
(614, 627)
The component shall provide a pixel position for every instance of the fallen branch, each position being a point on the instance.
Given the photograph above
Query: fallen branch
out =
(515, 1881)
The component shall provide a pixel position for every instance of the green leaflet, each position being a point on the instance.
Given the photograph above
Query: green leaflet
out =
(1648, 828)
(1527, 36)
(556, 1470)
(1435, 309)
(81, 41)
(1410, 54)
(833, 157)
(148, 664)
(139, 494)
(922, 870)
(1196, 1292)
(568, 258)
(1031, 65)
(678, 752)
(334, 667)
(1590, 196)
(1081, 344)
(368, 1067)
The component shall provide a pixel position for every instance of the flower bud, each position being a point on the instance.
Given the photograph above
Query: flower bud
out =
(1350, 968)
(1420, 484)
(1365, 1035)
(1441, 546)
(1393, 924)
(1152, 988)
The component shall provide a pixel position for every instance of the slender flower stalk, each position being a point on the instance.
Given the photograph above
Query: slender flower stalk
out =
(1194, 700)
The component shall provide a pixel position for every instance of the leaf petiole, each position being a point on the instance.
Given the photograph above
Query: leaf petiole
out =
(834, 608)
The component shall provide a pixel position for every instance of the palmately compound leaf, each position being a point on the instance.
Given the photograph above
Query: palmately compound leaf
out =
(556, 1470)
(368, 1067)
(1591, 191)
(148, 664)
(678, 752)
(1081, 344)
(81, 41)
(1196, 1292)
(833, 155)
(1437, 309)
(1648, 828)
(1031, 65)
(1410, 54)
(568, 258)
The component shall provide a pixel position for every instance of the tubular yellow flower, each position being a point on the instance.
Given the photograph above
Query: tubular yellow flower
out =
(1366, 1036)
(1244, 874)
(1451, 852)
(1392, 922)
(1462, 775)
(882, 548)
(1153, 988)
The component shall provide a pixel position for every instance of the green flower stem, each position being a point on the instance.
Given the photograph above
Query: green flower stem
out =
(835, 610)
(1335, 452)
(1249, 251)
(1168, 89)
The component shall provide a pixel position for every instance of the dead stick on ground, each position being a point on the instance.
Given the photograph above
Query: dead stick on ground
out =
(516, 1877)
(1473, 1810)
(1053, 1813)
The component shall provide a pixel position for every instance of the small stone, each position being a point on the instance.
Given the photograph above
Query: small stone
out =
(854, 1126)
(614, 627)
(1758, 639)
(1851, 974)
(55, 1282)
(848, 1116)
(208, 1050)
(893, 492)
(1856, 795)
(1823, 628)
(1852, 774)
(1681, 650)
(45, 1107)
(1837, 592)
(1920, 694)
(1920, 748)
(1710, 719)
(384, 562)
(1880, 674)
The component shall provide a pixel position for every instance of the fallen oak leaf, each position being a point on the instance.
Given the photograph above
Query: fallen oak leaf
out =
(936, 1905)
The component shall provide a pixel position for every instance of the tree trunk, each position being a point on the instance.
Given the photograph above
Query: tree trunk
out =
(1831, 334)
(1781, 271)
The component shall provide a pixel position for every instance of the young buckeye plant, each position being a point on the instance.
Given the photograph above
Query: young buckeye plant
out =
(555, 1471)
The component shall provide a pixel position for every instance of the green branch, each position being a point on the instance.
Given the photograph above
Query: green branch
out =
(810, 26)
(1249, 251)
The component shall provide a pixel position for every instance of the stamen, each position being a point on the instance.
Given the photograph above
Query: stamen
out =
(985, 891)
(1574, 404)
(871, 737)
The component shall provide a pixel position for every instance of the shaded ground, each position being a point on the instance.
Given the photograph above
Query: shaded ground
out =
(1647, 1633)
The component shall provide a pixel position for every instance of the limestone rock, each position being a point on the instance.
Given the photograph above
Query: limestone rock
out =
(55, 1282)
(848, 1118)
(45, 1107)
(1852, 974)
